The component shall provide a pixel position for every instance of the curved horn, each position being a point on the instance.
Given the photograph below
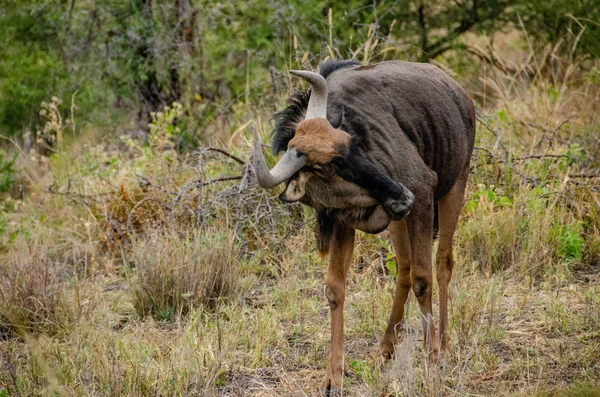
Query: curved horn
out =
(287, 166)
(317, 105)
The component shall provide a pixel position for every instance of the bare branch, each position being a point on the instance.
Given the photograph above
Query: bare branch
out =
(543, 156)
(586, 175)
(223, 151)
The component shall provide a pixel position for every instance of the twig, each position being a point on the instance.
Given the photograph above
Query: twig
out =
(223, 179)
(580, 187)
(52, 190)
(508, 155)
(531, 179)
(73, 102)
(542, 156)
(135, 207)
(531, 125)
(549, 136)
(496, 134)
(223, 151)
(184, 189)
(586, 175)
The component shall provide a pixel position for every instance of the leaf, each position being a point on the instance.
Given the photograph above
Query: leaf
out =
(504, 201)
(472, 206)
(391, 266)
(502, 116)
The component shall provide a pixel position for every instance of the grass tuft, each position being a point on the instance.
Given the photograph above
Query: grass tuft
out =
(176, 273)
(33, 298)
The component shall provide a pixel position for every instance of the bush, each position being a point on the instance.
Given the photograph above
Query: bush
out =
(32, 295)
(177, 273)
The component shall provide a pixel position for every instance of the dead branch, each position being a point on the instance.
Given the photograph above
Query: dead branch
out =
(507, 155)
(223, 179)
(135, 207)
(586, 175)
(491, 59)
(226, 153)
(542, 156)
(535, 181)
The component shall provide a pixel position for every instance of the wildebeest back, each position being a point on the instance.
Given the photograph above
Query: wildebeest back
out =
(405, 113)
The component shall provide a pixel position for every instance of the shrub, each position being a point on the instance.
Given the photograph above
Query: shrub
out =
(490, 237)
(176, 273)
(32, 295)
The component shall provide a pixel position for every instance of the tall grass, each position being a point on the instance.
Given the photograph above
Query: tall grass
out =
(176, 273)
(33, 298)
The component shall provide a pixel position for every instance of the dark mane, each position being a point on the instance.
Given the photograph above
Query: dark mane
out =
(287, 119)
(324, 229)
(325, 69)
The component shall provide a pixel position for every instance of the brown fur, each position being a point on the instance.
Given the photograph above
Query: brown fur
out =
(401, 241)
(340, 257)
(319, 141)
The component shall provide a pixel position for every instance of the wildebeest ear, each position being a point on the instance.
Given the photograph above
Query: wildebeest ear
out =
(337, 118)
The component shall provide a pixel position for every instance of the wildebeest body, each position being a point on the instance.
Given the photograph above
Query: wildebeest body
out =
(376, 147)
(405, 114)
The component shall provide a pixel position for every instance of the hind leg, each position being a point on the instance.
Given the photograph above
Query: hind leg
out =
(449, 210)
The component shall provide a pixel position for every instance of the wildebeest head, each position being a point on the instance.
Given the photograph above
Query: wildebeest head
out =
(340, 173)
(315, 144)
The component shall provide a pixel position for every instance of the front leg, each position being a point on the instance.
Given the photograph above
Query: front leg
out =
(420, 229)
(394, 197)
(340, 256)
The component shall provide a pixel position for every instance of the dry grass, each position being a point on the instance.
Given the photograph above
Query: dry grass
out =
(32, 294)
(114, 282)
(177, 273)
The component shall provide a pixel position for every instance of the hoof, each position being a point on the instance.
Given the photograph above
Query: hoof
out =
(387, 346)
(332, 393)
(386, 355)
(332, 385)
(398, 209)
(385, 352)
(328, 391)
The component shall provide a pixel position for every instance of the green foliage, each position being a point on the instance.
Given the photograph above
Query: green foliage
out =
(552, 20)
(163, 127)
(47, 49)
(569, 241)
(390, 261)
(30, 63)
(487, 194)
(7, 171)
(363, 369)
(139, 56)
